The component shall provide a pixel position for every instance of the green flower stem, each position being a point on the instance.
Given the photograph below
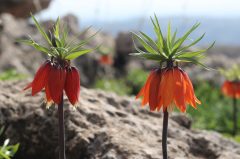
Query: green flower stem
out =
(164, 134)
(235, 127)
(61, 138)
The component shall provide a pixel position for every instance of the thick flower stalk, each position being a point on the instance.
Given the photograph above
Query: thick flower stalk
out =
(56, 75)
(231, 88)
(168, 86)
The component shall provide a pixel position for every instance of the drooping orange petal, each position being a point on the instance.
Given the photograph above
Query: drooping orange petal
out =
(153, 92)
(48, 96)
(72, 85)
(56, 82)
(145, 90)
(166, 88)
(238, 90)
(226, 89)
(191, 97)
(141, 92)
(179, 90)
(231, 89)
(40, 78)
(28, 86)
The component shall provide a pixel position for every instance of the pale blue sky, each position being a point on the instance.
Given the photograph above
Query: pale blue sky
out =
(111, 10)
(112, 16)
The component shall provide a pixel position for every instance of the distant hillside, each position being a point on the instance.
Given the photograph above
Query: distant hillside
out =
(224, 31)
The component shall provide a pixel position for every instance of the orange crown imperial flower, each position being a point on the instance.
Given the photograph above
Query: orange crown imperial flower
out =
(106, 60)
(231, 87)
(105, 57)
(168, 86)
(57, 75)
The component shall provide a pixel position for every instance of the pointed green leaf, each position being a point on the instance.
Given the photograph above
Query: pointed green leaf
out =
(182, 39)
(76, 54)
(174, 37)
(153, 43)
(161, 41)
(40, 29)
(56, 28)
(83, 42)
(36, 46)
(144, 44)
(149, 40)
(58, 42)
(190, 54)
(194, 61)
(193, 43)
(158, 32)
(149, 56)
(64, 37)
(169, 42)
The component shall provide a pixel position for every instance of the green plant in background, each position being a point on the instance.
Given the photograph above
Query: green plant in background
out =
(118, 86)
(103, 50)
(136, 79)
(128, 85)
(236, 138)
(7, 151)
(11, 74)
(231, 88)
(231, 74)
(214, 113)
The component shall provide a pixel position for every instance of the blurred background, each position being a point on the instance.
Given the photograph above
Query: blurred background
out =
(110, 67)
(219, 19)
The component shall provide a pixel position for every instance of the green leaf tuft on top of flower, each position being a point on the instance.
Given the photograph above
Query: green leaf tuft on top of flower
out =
(58, 47)
(171, 48)
(231, 74)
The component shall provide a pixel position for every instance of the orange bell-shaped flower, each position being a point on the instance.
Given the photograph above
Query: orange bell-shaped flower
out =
(166, 88)
(106, 60)
(231, 89)
(72, 85)
(56, 78)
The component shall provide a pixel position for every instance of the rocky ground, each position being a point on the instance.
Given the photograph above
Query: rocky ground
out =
(104, 126)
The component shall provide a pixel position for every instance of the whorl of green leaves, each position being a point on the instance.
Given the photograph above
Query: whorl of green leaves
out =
(58, 46)
(170, 48)
(232, 74)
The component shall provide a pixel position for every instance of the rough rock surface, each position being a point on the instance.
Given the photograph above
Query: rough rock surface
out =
(14, 55)
(22, 8)
(104, 126)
